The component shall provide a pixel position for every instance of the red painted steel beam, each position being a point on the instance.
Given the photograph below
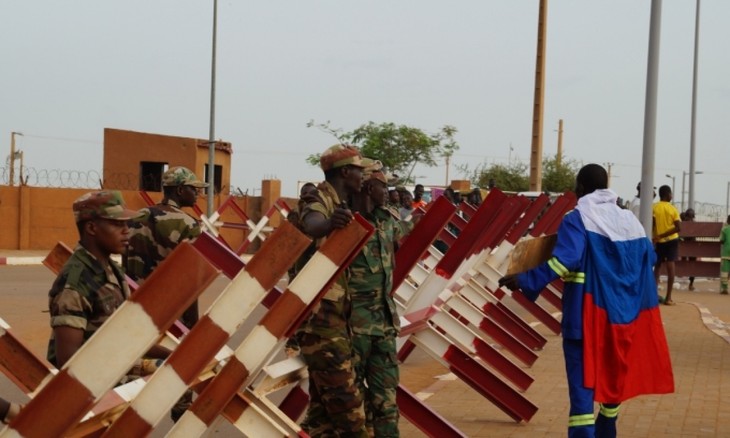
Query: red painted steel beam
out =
(489, 386)
(506, 367)
(426, 420)
(450, 325)
(418, 240)
(538, 312)
(509, 341)
(520, 229)
(505, 317)
(294, 403)
(463, 247)
(26, 370)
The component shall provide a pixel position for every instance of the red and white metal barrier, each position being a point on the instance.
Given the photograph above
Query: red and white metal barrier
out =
(99, 364)
(479, 235)
(258, 231)
(306, 289)
(475, 375)
(211, 333)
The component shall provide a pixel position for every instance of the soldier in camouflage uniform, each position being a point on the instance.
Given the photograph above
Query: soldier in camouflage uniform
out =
(157, 232)
(336, 405)
(162, 227)
(374, 319)
(90, 286)
(308, 189)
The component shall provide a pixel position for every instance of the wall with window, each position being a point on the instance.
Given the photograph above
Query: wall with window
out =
(137, 160)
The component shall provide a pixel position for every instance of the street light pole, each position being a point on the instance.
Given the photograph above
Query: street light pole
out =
(727, 200)
(684, 176)
(650, 114)
(11, 175)
(673, 178)
(211, 134)
(691, 203)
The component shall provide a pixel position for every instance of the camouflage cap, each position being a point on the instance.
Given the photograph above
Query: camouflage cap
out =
(340, 155)
(104, 204)
(181, 176)
(375, 171)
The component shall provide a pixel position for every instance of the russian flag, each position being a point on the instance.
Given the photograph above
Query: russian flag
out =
(625, 348)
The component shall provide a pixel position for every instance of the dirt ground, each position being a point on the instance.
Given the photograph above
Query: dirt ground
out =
(24, 306)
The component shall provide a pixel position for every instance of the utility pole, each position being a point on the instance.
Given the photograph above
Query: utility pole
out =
(539, 98)
(20, 169)
(560, 143)
(11, 175)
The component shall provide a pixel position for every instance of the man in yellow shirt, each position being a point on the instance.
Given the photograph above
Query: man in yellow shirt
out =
(666, 238)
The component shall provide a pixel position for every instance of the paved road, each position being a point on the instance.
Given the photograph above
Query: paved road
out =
(696, 330)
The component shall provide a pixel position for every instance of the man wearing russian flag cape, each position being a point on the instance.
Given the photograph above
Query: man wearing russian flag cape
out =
(613, 340)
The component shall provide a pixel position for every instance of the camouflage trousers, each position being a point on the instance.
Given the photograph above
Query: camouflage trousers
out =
(335, 403)
(376, 369)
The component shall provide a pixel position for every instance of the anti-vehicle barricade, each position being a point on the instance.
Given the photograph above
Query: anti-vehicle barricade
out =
(99, 364)
(445, 346)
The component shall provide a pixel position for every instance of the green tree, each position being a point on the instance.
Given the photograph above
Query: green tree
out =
(559, 177)
(510, 177)
(514, 177)
(399, 147)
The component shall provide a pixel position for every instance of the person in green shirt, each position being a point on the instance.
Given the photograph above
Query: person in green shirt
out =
(725, 254)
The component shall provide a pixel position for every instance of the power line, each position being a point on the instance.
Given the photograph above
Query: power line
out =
(67, 139)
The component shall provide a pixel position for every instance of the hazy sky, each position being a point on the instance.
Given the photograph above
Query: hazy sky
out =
(70, 69)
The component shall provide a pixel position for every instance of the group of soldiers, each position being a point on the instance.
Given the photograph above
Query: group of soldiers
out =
(349, 340)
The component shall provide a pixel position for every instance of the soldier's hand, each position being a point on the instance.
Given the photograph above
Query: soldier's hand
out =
(340, 218)
(510, 282)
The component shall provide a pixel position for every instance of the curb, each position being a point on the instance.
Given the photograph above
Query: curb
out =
(21, 261)
(713, 323)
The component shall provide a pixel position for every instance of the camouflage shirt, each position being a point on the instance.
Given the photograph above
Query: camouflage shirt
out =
(84, 295)
(154, 235)
(328, 315)
(371, 277)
